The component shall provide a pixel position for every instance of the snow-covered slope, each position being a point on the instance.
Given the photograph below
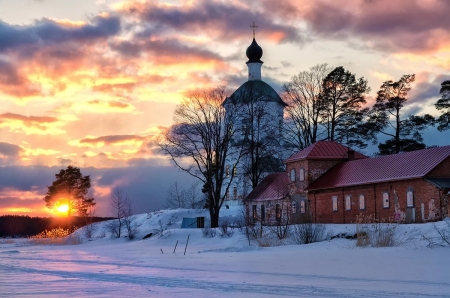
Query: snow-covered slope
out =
(222, 267)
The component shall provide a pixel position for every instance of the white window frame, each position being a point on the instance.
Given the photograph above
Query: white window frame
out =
(302, 206)
(362, 202)
(334, 200)
(302, 174)
(348, 202)
(410, 198)
(292, 175)
(386, 204)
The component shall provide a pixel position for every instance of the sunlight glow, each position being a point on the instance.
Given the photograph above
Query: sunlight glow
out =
(62, 208)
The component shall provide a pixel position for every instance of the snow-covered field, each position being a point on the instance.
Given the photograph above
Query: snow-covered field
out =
(222, 267)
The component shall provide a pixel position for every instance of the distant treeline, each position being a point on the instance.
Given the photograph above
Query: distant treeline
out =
(24, 226)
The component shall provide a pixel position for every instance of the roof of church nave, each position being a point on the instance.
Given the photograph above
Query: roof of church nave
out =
(401, 166)
(324, 150)
(255, 90)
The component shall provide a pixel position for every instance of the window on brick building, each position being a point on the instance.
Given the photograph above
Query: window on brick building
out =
(235, 193)
(302, 175)
(227, 171)
(294, 206)
(348, 202)
(362, 202)
(234, 171)
(293, 175)
(263, 213)
(302, 206)
(335, 203)
(385, 200)
(278, 213)
(254, 214)
(410, 198)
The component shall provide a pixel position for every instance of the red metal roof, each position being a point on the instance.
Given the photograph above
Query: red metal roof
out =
(324, 150)
(400, 166)
(272, 187)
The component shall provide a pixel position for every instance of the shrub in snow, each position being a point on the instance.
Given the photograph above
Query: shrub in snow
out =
(130, 227)
(208, 232)
(89, 230)
(114, 227)
(225, 228)
(58, 236)
(443, 237)
(380, 234)
(161, 231)
(308, 233)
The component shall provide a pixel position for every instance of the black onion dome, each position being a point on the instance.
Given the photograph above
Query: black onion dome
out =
(254, 52)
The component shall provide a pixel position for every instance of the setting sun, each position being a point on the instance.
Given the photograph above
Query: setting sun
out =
(62, 208)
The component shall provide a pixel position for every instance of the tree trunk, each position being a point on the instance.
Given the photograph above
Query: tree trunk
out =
(214, 215)
(397, 132)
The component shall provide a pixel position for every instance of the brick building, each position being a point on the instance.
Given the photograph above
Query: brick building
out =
(330, 183)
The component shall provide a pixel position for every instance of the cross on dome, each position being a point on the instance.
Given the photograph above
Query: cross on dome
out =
(253, 26)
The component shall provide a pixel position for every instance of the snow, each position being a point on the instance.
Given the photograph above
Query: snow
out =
(222, 267)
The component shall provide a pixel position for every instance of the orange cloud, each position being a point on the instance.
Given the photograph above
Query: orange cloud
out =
(113, 140)
(41, 125)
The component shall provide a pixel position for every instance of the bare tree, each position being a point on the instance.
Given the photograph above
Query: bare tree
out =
(89, 228)
(199, 143)
(259, 131)
(129, 220)
(342, 98)
(302, 127)
(178, 197)
(121, 209)
(175, 197)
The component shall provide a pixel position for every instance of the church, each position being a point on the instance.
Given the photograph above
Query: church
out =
(257, 111)
(325, 182)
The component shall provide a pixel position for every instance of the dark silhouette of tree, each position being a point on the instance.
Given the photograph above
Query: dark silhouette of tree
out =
(303, 113)
(443, 105)
(259, 132)
(199, 143)
(70, 188)
(341, 100)
(386, 118)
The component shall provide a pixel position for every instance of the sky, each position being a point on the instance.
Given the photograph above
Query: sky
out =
(92, 83)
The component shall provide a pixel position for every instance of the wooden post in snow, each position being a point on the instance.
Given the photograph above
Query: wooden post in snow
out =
(186, 244)
(175, 247)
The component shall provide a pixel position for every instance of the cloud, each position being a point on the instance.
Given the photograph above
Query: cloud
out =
(41, 125)
(15, 83)
(219, 20)
(426, 89)
(389, 26)
(46, 32)
(118, 140)
(10, 150)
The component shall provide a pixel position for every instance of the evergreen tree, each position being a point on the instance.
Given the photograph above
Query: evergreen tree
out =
(386, 118)
(443, 105)
(70, 188)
